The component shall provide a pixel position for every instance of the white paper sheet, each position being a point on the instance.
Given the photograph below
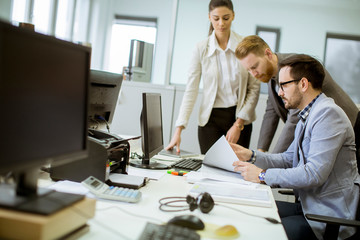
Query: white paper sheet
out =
(151, 174)
(233, 193)
(216, 174)
(221, 155)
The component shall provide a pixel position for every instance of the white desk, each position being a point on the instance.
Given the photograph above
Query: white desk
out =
(111, 222)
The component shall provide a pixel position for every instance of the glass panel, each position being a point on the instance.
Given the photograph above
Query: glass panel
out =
(63, 19)
(41, 15)
(18, 10)
(342, 60)
(81, 20)
(270, 38)
(120, 43)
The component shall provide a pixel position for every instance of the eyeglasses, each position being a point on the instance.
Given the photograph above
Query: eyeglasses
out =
(284, 83)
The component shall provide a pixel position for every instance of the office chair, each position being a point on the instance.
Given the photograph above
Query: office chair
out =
(333, 224)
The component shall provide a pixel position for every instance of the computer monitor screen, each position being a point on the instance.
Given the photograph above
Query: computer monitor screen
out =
(103, 95)
(43, 100)
(151, 131)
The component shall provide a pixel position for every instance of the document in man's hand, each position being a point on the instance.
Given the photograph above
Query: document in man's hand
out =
(220, 155)
(233, 193)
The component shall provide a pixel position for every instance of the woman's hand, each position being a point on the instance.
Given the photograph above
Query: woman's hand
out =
(233, 134)
(176, 139)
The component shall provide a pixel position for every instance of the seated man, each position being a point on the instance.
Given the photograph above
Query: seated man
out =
(320, 163)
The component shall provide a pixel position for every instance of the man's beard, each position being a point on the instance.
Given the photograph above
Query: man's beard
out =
(268, 72)
(295, 100)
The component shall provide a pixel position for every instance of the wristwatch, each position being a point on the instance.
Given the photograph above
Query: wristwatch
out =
(252, 158)
(262, 176)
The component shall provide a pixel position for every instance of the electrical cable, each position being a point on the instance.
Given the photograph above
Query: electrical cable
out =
(131, 214)
(170, 204)
(103, 119)
(270, 219)
(94, 120)
(135, 155)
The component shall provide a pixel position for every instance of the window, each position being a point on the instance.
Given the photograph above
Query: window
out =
(19, 11)
(124, 29)
(66, 19)
(342, 60)
(40, 16)
(271, 36)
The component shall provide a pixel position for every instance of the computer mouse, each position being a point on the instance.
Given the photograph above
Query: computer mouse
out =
(188, 221)
(227, 231)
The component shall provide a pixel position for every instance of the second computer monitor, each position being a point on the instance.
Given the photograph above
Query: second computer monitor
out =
(151, 131)
(103, 94)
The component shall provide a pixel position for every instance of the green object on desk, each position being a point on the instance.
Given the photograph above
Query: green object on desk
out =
(177, 173)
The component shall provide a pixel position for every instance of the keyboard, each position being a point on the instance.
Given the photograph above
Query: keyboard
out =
(188, 164)
(169, 231)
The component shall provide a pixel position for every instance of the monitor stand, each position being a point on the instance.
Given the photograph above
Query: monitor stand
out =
(23, 195)
(44, 203)
(147, 164)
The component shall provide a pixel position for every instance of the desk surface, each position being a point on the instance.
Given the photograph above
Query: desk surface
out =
(113, 221)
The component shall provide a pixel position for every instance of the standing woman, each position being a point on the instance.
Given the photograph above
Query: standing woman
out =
(230, 93)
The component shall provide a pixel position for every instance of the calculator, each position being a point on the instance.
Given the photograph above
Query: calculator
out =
(104, 191)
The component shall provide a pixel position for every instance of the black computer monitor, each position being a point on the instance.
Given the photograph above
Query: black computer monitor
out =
(151, 132)
(103, 95)
(43, 101)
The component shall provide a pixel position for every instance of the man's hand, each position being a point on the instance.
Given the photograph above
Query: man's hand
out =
(242, 153)
(249, 171)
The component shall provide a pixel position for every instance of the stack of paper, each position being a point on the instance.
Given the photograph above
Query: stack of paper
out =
(233, 193)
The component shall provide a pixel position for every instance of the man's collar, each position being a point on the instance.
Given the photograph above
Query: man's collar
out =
(306, 111)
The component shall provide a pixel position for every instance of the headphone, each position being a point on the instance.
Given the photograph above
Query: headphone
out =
(204, 202)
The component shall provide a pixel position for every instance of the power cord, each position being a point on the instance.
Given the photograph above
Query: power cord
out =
(134, 155)
(104, 120)
(131, 214)
(95, 121)
(270, 219)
